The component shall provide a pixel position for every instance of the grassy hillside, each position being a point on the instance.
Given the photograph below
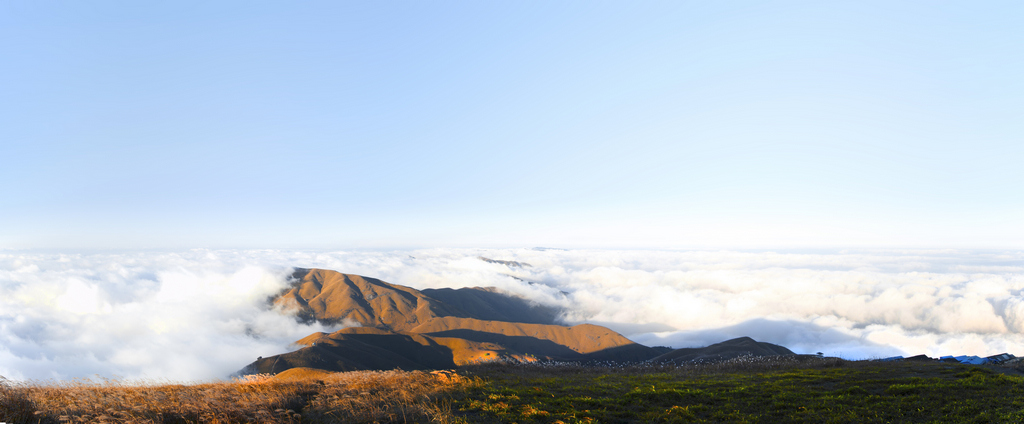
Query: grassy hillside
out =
(764, 390)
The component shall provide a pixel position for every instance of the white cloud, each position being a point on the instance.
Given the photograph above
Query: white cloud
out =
(881, 302)
(201, 314)
(181, 316)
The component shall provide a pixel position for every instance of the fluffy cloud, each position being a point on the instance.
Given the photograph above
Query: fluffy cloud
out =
(177, 316)
(202, 314)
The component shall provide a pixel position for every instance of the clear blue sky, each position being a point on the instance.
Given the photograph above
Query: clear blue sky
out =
(518, 123)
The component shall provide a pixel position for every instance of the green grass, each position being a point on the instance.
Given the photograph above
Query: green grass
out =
(814, 391)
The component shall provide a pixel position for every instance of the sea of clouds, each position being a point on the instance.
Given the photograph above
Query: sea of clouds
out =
(203, 314)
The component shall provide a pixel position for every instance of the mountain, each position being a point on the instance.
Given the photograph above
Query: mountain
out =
(392, 326)
(363, 348)
(742, 346)
(544, 340)
(331, 297)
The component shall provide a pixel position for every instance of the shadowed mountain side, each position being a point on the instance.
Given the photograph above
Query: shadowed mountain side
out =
(583, 338)
(547, 349)
(468, 351)
(360, 350)
(628, 353)
(332, 297)
(533, 345)
(491, 304)
(464, 350)
(743, 346)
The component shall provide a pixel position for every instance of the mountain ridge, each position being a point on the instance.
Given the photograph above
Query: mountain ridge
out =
(390, 326)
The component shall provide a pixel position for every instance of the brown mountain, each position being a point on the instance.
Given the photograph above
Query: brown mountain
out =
(332, 297)
(545, 340)
(437, 328)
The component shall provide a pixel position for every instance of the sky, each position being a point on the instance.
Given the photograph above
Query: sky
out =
(668, 125)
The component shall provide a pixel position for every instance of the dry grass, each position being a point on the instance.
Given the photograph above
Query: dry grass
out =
(362, 396)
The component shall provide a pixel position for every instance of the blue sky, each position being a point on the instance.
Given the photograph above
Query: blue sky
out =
(501, 124)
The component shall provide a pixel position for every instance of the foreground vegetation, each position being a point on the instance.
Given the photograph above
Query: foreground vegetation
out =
(363, 396)
(818, 390)
(747, 390)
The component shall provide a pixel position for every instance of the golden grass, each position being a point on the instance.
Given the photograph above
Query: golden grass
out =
(301, 373)
(361, 396)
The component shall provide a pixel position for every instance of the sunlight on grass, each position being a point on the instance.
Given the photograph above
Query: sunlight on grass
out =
(364, 396)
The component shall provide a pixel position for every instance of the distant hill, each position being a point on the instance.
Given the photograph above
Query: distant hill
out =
(401, 327)
(743, 346)
(510, 264)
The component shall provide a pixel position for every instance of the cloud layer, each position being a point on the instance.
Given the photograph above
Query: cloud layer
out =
(192, 316)
(202, 314)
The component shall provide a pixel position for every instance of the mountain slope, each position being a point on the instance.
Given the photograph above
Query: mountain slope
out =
(360, 349)
(580, 339)
(488, 303)
(400, 327)
(332, 297)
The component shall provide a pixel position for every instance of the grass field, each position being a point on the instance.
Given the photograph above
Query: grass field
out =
(758, 391)
(743, 390)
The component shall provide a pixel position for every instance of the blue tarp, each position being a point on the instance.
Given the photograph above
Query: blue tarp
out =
(966, 359)
(972, 360)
